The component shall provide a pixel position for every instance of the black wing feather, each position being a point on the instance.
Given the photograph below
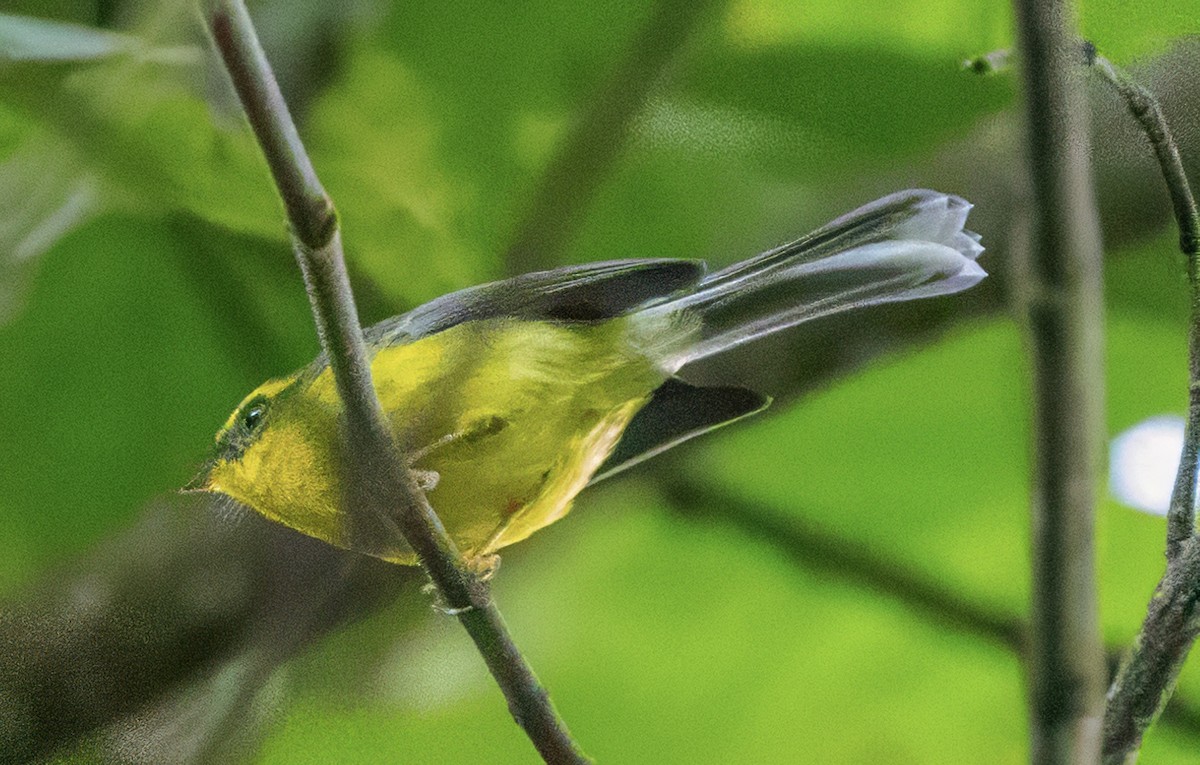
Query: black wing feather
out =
(676, 412)
(587, 292)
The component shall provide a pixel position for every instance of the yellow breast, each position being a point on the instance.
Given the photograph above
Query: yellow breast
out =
(511, 417)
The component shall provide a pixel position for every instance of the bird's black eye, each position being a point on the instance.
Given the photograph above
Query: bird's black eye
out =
(253, 416)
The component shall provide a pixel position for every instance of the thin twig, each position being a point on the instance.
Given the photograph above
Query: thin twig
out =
(1147, 677)
(1063, 306)
(1181, 518)
(1145, 108)
(397, 504)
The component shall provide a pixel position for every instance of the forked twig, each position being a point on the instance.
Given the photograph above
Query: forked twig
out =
(1147, 676)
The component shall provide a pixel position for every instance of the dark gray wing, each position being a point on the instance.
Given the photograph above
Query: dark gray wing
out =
(572, 293)
(676, 412)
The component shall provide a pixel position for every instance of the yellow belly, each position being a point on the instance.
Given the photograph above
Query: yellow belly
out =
(512, 417)
(506, 419)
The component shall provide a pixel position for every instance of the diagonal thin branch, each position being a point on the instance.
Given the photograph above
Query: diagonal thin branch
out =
(808, 546)
(1147, 677)
(597, 135)
(395, 500)
(1064, 310)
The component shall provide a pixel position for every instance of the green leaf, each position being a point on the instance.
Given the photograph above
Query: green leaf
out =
(128, 115)
(128, 357)
(383, 157)
(46, 196)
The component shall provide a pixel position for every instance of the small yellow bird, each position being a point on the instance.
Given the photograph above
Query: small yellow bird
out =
(509, 398)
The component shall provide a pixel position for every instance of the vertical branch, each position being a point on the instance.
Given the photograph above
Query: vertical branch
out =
(394, 502)
(1064, 313)
(1147, 676)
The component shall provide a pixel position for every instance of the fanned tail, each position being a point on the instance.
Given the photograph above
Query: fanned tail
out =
(908, 245)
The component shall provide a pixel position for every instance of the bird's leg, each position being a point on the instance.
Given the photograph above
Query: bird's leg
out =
(427, 480)
(483, 566)
(484, 426)
(424, 451)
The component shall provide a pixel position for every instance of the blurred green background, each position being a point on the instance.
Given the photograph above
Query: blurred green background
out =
(839, 580)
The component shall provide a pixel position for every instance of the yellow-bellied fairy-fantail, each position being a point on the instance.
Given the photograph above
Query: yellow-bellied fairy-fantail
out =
(507, 399)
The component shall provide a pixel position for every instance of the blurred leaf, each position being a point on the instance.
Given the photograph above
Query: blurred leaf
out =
(383, 158)
(1127, 31)
(502, 86)
(115, 377)
(941, 500)
(154, 139)
(743, 142)
(944, 28)
(46, 197)
(800, 113)
(115, 116)
(42, 183)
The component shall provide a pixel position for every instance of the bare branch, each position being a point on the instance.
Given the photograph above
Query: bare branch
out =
(396, 503)
(1147, 677)
(1181, 518)
(1063, 308)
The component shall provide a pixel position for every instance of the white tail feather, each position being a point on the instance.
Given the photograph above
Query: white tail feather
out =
(908, 245)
